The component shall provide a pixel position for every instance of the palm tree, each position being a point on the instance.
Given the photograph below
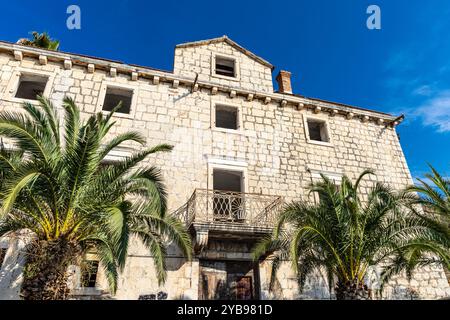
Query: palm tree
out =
(431, 202)
(40, 40)
(344, 234)
(57, 185)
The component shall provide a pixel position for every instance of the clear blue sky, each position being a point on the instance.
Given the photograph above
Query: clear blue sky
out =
(402, 68)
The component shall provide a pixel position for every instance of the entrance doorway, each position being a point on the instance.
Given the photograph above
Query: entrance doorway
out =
(228, 280)
(244, 290)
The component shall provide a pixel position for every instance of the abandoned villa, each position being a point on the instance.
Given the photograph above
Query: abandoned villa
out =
(242, 149)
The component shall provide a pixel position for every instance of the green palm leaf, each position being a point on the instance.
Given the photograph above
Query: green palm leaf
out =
(348, 231)
(56, 185)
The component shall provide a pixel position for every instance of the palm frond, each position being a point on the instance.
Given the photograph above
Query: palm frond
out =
(347, 231)
(63, 191)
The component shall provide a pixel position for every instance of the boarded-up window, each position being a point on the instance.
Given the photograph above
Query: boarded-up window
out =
(225, 67)
(114, 96)
(30, 86)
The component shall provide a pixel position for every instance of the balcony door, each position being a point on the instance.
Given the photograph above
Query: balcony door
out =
(228, 201)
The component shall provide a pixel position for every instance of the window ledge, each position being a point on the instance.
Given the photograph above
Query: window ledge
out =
(320, 143)
(118, 114)
(232, 131)
(219, 76)
(21, 101)
(87, 291)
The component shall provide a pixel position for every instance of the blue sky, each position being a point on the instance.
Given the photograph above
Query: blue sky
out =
(402, 68)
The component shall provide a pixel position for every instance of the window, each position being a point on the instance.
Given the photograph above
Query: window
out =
(30, 86)
(317, 130)
(228, 202)
(89, 273)
(227, 180)
(227, 117)
(316, 177)
(2, 255)
(114, 96)
(112, 93)
(118, 154)
(225, 67)
(27, 84)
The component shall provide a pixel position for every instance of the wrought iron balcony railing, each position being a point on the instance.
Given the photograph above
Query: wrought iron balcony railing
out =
(226, 207)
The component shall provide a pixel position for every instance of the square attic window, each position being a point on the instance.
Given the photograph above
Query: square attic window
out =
(30, 86)
(225, 67)
(227, 117)
(114, 96)
(317, 130)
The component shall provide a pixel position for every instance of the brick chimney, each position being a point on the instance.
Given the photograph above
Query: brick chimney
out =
(284, 82)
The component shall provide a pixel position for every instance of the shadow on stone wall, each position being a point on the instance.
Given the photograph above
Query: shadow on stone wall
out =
(11, 272)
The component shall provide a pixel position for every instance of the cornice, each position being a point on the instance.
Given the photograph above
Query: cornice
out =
(157, 76)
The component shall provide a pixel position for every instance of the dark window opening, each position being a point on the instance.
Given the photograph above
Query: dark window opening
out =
(89, 274)
(225, 67)
(227, 180)
(317, 131)
(227, 117)
(114, 96)
(31, 86)
(2, 256)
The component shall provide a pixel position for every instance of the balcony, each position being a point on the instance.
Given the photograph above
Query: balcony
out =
(227, 214)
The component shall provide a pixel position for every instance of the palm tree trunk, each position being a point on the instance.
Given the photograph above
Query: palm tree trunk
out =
(45, 272)
(351, 290)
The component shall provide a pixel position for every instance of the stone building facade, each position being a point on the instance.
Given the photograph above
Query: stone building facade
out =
(231, 131)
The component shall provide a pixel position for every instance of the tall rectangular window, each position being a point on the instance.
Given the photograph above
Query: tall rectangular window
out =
(30, 86)
(225, 67)
(114, 96)
(228, 202)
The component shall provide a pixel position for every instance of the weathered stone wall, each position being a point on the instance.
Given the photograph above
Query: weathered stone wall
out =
(272, 144)
(193, 60)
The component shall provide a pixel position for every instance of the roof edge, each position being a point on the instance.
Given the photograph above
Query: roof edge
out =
(6, 46)
(79, 56)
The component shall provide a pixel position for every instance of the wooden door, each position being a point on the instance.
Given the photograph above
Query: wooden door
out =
(244, 289)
